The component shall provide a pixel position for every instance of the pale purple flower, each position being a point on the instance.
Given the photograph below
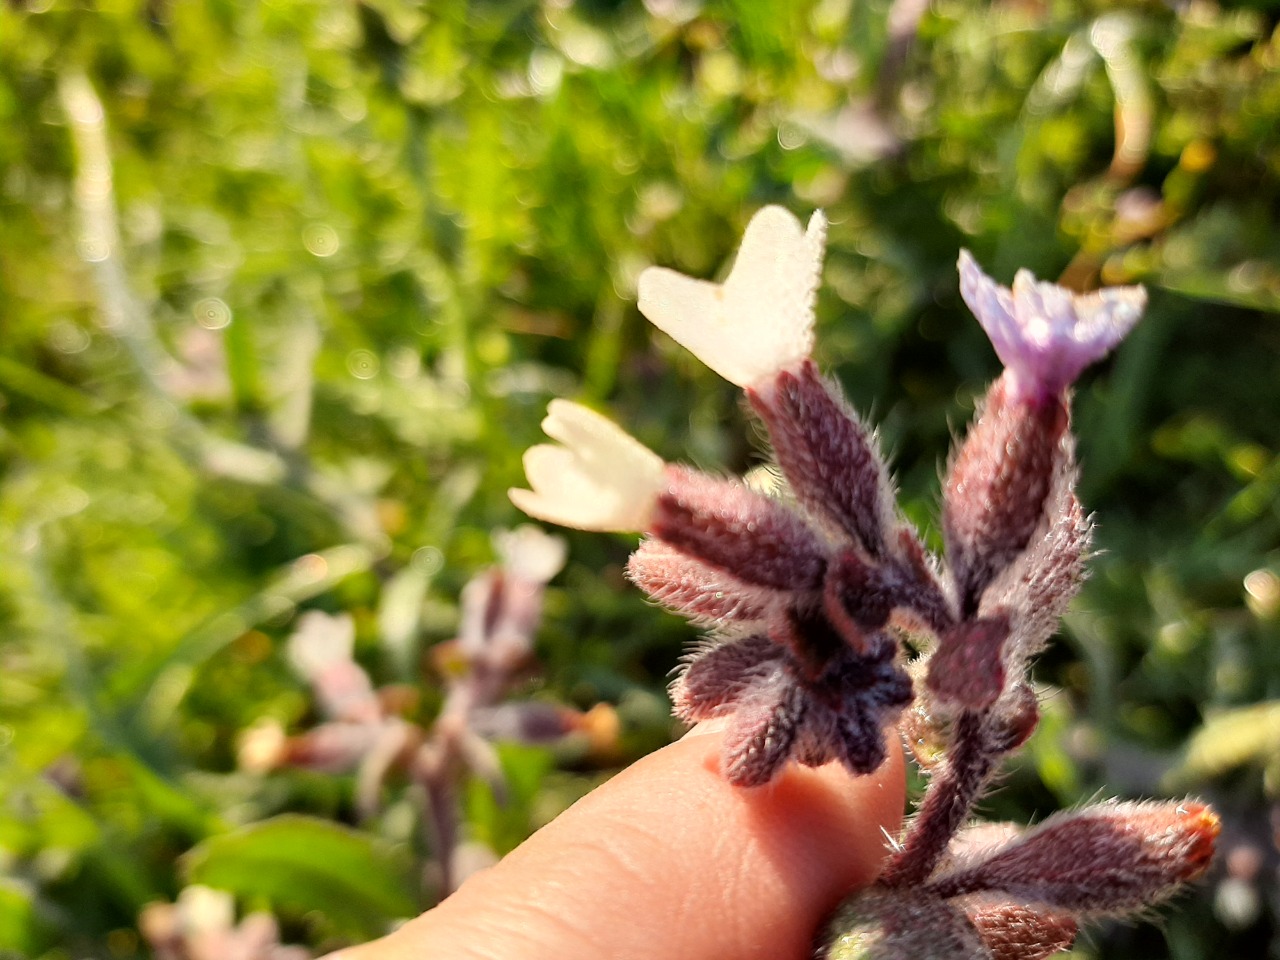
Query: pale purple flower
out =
(322, 651)
(1043, 333)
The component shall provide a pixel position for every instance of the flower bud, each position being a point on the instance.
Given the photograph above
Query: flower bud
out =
(1035, 590)
(725, 524)
(703, 593)
(829, 457)
(967, 668)
(835, 707)
(528, 721)
(1108, 858)
(718, 675)
(995, 491)
(1012, 720)
(335, 747)
(1013, 931)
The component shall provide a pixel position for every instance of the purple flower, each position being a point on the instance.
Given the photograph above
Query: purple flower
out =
(1044, 334)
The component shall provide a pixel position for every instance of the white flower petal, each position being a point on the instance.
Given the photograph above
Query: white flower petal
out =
(760, 320)
(320, 641)
(205, 911)
(1108, 315)
(529, 553)
(600, 479)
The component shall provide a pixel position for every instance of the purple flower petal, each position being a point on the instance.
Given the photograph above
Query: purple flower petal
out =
(1045, 334)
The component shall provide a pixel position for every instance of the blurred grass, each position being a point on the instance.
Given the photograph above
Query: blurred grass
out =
(285, 287)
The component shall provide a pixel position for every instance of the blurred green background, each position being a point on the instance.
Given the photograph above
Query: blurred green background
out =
(285, 288)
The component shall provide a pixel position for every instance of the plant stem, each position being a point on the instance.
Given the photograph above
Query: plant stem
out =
(947, 802)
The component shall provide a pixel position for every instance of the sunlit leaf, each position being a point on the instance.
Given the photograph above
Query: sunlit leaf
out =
(302, 864)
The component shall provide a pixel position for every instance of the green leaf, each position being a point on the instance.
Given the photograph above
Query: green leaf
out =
(1228, 740)
(301, 865)
(20, 928)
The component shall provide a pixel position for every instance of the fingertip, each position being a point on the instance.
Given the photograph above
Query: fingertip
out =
(668, 859)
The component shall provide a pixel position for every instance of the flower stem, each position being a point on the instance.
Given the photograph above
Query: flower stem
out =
(947, 802)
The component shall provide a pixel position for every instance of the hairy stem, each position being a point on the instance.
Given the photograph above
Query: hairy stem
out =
(947, 802)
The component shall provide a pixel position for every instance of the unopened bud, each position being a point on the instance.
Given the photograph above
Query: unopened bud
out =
(828, 455)
(529, 721)
(1036, 589)
(995, 490)
(757, 539)
(335, 747)
(967, 669)
(689, 586)
(1108, 858)
(1012, 931)
(1012, 721)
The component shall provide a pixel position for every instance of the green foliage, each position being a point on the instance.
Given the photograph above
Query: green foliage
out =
(297, 865)
(276, 331)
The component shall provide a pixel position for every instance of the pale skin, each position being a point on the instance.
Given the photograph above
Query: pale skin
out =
(669, 860)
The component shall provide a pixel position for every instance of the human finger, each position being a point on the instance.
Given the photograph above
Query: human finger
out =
(669, 860)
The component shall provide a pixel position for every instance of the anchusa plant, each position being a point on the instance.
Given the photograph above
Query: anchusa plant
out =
(365, 730)
(831, 624)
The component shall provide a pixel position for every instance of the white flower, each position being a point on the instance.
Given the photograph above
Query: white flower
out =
(530, 554)
(600, 479)
(320, 641)
(1044, 334)
(760, 320)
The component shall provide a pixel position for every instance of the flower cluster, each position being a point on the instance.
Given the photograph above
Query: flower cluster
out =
(829, 619)
(202, 926)
(365, 730)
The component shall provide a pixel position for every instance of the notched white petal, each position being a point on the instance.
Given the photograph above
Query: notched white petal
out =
(760, 320)
(600, 479)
